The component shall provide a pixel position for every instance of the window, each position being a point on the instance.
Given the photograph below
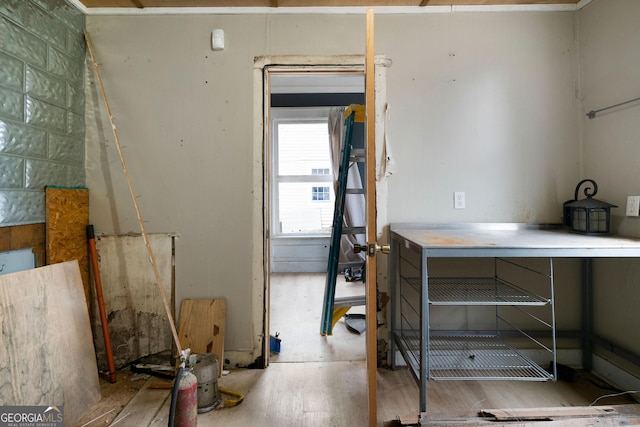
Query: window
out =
(320, 193)
(302, 190)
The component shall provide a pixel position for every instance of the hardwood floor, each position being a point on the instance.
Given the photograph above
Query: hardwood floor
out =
(296, 309)
(321, 381)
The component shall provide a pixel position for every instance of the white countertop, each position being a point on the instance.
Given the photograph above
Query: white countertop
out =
(515, 240)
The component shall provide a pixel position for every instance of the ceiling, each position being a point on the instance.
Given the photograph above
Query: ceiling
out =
(143, 4)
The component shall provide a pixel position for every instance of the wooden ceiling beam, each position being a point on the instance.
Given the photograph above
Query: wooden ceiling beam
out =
(147, 4)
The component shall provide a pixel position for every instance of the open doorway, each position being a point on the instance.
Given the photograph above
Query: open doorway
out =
(301, 205)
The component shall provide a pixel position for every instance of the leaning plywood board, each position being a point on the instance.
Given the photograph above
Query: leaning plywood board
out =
(67, 216)
(46, 347)
(138, 321)
(201, 327)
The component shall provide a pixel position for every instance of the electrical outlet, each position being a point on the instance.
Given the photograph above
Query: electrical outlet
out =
(458, 200)
(633, 205)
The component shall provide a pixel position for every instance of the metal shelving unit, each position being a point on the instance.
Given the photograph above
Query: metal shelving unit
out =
(463, 355)
(523, 318)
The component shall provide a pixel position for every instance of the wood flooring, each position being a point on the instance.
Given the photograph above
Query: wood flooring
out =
(321, 381)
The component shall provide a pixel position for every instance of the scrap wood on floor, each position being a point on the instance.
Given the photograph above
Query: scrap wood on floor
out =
(575, 416)
(120, 399)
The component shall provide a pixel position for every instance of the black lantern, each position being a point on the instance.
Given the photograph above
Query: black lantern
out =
(588, 216)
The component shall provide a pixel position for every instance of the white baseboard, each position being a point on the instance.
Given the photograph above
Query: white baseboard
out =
(616, 376)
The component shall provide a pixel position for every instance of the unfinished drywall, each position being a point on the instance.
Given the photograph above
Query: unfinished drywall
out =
(479, 102)
(138, 323)
(610, 63)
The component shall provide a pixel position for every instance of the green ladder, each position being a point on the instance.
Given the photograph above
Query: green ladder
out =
(334, 308)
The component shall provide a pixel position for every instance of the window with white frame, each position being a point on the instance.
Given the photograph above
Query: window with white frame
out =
(302, 191)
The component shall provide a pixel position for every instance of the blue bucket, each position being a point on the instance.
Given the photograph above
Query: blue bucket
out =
(274, 343)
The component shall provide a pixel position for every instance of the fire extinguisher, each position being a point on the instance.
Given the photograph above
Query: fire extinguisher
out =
(184, 400)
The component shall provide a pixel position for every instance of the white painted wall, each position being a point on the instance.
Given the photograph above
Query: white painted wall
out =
(610, 66)
(480, 102)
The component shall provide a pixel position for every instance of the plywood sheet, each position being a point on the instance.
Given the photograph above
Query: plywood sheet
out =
(138, 322)
(202, 323)
(67, 217)
(46, 346)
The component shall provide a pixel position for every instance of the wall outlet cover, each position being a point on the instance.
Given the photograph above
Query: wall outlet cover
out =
(459, 200)
(633, 205)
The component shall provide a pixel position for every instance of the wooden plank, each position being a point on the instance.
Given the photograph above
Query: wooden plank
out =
(144, 407)
(547, 413)
(371, 294)
(566, 422)
(578, 416)
(201, 327)
(67, 216)
(46, 347)
(162, 417)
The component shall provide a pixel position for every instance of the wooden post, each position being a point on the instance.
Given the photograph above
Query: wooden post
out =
(371, 297)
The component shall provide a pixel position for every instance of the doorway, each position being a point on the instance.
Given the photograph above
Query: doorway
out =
(264, 68)
(301, 205)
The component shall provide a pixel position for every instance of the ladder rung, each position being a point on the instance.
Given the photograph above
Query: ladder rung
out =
(353, 230)
(350, 301)
(343, 265)
(358, 155)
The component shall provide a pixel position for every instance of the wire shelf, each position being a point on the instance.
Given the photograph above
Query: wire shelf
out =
(479, 291)
(473, 357)
(415, 282)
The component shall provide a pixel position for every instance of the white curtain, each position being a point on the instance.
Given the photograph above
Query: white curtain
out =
(354, 209)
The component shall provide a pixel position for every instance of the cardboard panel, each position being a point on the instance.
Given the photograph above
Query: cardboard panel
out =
(46, 347)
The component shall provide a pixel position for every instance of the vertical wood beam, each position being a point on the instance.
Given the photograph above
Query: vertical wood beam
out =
(371, 297)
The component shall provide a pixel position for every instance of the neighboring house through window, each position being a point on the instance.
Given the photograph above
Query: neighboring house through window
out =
(303, 199)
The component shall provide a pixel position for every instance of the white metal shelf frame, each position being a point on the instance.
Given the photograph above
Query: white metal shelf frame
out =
(469, 354)
(479, 241)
